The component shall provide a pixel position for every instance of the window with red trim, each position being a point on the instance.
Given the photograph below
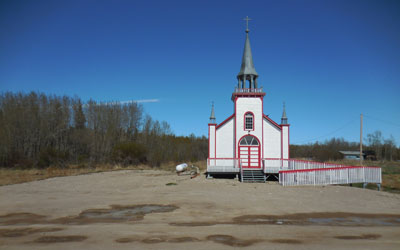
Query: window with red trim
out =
(248, 121)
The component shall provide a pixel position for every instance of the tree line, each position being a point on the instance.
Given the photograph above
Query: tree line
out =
(39, 130)
(382, 149)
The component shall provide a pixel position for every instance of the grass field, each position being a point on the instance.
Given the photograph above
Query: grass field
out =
(14, 176)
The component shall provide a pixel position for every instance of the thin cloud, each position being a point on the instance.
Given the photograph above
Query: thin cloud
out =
(126, 102)
(140, 101)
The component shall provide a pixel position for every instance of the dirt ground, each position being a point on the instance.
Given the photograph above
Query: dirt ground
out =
(146, 209)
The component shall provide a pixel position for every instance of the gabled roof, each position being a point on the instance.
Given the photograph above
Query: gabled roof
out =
(272, 122)
(226, 120)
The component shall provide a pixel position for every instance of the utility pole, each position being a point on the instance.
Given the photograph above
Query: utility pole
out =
(361, 140)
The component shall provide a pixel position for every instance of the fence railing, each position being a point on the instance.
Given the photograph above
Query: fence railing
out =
(248, 90)
(327, 176)
(272, 164)
(300, 172)
(223, 165)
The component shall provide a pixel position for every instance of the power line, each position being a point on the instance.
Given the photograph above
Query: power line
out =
(380, 120)
(326, 135)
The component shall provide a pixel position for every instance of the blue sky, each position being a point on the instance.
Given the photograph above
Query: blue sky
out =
(328, 60)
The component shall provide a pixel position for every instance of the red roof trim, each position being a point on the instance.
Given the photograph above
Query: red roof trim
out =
(226, 120)
(323, 169)
(273, 123)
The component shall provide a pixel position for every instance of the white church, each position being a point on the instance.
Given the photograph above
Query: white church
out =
(250, 145)
(248, 137)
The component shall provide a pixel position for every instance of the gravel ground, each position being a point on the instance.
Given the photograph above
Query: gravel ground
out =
(136, 209)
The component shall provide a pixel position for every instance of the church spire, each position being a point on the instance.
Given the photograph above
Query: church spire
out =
(212, 116)
(284, 119)
(247, 70)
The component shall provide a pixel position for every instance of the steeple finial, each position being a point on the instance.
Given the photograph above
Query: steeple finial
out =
(284, 119)
(247, 70)
(247, 19)
(212, 116)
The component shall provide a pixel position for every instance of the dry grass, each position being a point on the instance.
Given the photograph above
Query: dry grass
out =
(390, 172)
(15, 176)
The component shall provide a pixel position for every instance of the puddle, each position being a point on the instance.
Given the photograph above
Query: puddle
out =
(304, 219)
(321, 219)
(157, 239)
(194, 224)
(116, 214)
(125, 213)
(60, 239)
(359, 237)
(21, 219)
(231, 241)
(154, 239)
(19, 232)
(182, 239)
(126, 240)
(286, 241)
(355, 221)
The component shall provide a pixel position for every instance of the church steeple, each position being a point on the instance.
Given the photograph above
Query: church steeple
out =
(284, 119)
(247, 70)
(212, 116)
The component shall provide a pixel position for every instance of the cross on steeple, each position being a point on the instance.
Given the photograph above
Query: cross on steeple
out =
(247, 70)
(247, 19)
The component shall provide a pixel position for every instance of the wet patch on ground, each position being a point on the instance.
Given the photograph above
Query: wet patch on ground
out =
(359, 237)
(321, 219)
(157, 239)
(20, 232)
(231, 241)
(304, 219)
(60, 239)
(286, 241)
(195, 224)
(115, 214)
(21, 219)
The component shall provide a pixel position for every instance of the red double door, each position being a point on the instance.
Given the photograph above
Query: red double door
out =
(250, 156)
(249, 152)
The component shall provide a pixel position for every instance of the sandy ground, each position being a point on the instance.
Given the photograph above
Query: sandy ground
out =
(98, 211)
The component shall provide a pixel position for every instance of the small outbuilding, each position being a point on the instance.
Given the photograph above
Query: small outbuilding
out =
(351, 155)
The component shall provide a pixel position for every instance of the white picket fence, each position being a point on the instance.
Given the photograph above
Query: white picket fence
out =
(327, 176)
(300, 172)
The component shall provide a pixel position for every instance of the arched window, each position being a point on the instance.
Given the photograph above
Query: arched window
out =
(249, 121)
(248, 140)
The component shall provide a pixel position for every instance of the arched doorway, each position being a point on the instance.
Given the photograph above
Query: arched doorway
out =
(249, 151)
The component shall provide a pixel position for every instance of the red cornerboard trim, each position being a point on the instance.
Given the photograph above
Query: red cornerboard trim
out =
(281, 143)
(208, 140)
(322, 169)
(235, 128)
(288, 142)
(215, 142)
(262, 127)
(226, 120)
